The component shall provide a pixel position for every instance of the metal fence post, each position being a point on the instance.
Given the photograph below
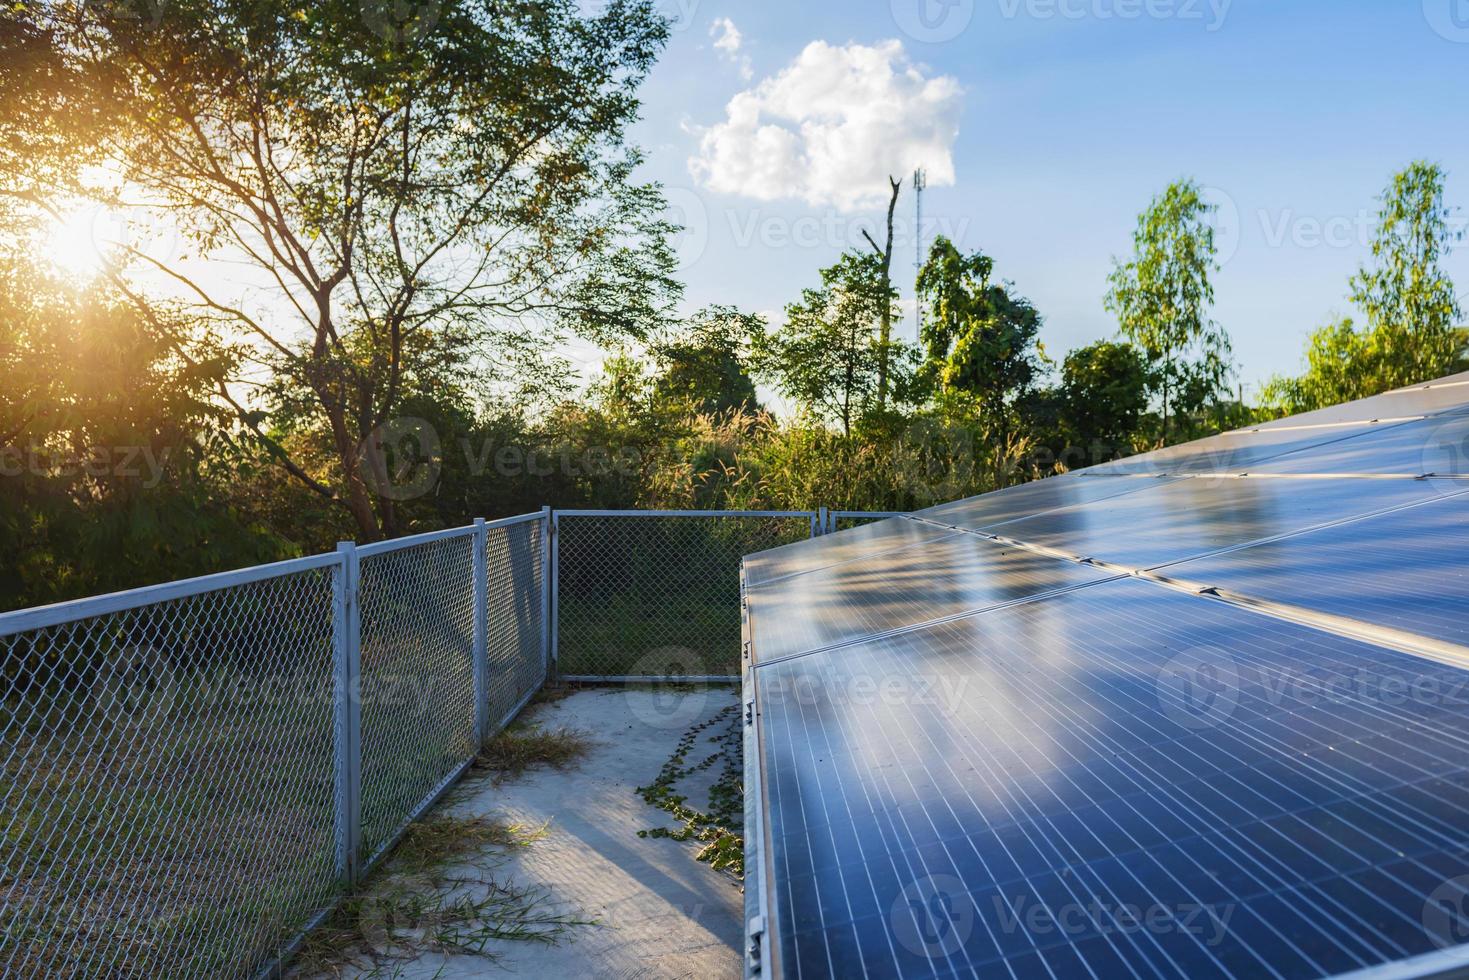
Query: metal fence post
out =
(347, 637)
(481, 541)
(821, 522)
(554, 664)
(548, 605)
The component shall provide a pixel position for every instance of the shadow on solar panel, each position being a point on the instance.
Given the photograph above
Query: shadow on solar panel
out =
(1203, 713)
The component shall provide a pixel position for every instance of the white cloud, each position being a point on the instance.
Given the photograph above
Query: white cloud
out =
(728, 40)
(830, 128)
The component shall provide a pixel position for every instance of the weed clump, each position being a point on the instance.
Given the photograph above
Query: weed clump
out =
(720, 828)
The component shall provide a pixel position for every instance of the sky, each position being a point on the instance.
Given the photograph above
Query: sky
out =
(1045, 126)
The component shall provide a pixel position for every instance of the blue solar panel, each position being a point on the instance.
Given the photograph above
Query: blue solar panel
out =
(1235, 452)
(1437, 446)
(1446, 395)
(855, 599)
(983, 752)
(1029, 499)
(1408, 570)
(1120, 779)
(1191, 518)
(876, 538)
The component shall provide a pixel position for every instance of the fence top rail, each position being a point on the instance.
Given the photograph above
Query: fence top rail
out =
(687, 513)
(41, 617)
(869, 513)
(518, 519)
(428, 537)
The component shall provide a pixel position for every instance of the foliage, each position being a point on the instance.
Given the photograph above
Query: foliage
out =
(706, 366)
(116, 468)
(1410, 335)
(401, 192)
(979, 336)
(1104, 399)
(1161, 298)
(721, 827)
(827, 356)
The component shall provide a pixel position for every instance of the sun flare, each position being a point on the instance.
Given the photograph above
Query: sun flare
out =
(79, 242)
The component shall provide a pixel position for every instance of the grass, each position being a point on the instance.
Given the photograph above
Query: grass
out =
(437, 894)
(517, 750)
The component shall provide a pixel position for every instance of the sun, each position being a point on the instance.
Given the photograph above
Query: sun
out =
(78, 242)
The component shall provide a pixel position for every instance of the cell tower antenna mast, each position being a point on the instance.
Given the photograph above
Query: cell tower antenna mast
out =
(920, 183)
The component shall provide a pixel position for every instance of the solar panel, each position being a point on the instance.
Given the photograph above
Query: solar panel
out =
(1438, 446)
(863, 597)
(868, 539)
(980, 749)
(1234, 452)
(1028, 499)
(1449, 394)
(1406, 570)
(1121, 779)
(1191, 518)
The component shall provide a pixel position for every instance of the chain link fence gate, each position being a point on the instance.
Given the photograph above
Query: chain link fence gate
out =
(194, 773)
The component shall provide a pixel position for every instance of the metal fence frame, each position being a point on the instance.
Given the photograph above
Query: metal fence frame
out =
(531, 645)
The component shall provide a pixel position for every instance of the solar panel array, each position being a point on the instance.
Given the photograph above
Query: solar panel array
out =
(1202, 712)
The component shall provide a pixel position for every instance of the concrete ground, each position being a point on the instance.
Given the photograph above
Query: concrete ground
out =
(659, 913)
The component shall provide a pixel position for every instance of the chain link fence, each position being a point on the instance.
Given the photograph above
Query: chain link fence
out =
(194, 773)
(656, 593)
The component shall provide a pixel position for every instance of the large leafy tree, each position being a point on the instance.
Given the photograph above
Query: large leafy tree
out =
(979, 336)
(389, 186)
(827, 356)
(1104, 398)
(706, 364)
(115, 461)
(1406, 294)
(1411, 334)
(1161, 298)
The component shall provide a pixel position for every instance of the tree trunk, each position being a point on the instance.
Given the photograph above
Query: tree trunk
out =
(886, 332)
(358, 502)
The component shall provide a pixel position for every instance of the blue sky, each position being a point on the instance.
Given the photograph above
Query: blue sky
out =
(1062, 118)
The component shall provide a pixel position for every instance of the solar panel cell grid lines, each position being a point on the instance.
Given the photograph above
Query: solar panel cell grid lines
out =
(1048, 773)
(1024, 744)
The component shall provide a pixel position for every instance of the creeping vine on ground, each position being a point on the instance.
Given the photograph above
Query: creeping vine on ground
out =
(720, 828)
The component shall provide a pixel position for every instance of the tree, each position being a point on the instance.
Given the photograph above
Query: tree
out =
(979, 336)
(1161, 298)
(1410, 335)
(1337, 370)
(826, 356)
(1104, 397)
(116, 466)
(1407, 296)
(397, 189)
(885, 332)
(706, 365)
